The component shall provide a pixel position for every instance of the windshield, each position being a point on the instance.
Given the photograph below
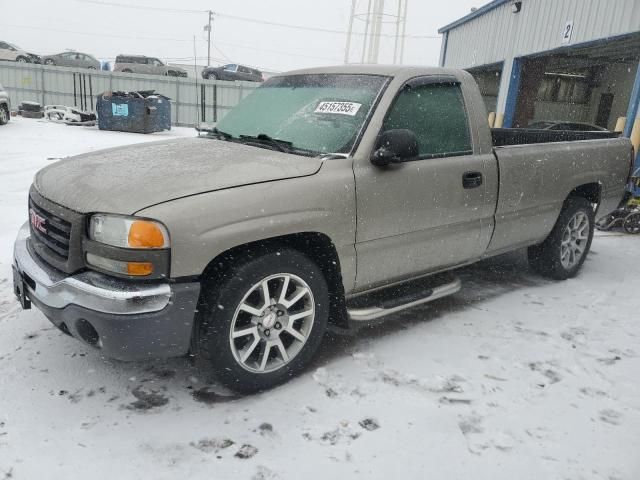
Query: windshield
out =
(321, 113)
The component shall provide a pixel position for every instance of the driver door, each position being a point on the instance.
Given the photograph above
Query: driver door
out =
(422, 215)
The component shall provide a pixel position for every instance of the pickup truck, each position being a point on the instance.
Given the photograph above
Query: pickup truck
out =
(327, 197)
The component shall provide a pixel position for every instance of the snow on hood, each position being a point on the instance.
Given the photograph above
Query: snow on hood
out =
(127, 179)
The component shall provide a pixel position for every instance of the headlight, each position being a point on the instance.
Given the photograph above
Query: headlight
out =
(128, 232)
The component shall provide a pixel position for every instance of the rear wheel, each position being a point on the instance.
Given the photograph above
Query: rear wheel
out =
(264, 323)
(22, 60)
(564, 251)
(4, 115)
(212, 76)
(48, 61)
(127, 70)
(632, 223)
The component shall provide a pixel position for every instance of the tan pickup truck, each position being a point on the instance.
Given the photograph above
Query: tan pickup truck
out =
(327, 196)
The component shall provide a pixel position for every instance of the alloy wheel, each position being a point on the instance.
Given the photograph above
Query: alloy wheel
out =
(574, 240)
(272, 323)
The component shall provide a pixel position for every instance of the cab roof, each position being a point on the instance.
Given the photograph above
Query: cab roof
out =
(370, 69)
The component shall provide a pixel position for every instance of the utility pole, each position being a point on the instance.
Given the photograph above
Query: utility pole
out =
(208, 30)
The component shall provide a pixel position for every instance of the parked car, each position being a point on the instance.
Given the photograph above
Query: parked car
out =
(232, 72)
(5, 106)
(148, 65)
(72, 59)
(13, 53)
(566, 126)
(342, 204)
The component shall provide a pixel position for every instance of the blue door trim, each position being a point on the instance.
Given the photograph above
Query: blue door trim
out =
(634, 102)
(512, 93)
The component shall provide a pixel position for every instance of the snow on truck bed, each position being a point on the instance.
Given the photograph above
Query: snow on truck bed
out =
(514, 377)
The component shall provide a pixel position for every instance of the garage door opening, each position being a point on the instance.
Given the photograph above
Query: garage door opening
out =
(488, 79)
(579, 88)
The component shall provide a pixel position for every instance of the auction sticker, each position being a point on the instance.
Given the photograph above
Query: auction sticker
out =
(341, 108)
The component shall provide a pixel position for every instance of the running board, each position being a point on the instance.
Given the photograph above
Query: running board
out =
(381, 303)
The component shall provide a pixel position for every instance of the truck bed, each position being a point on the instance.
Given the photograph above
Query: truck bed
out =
(525, 136)
(535, 180)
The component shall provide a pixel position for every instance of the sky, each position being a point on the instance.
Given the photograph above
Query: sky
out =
(243, 30)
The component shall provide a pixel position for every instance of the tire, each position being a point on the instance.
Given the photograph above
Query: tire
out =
(22, 59)
(127, 70)
(48, 61)
(4, 115)
(212, 76)
(632, 223)
(92, 68)
(564, 251)
(243, 362)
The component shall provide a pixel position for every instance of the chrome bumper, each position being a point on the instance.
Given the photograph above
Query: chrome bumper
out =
(90, 290)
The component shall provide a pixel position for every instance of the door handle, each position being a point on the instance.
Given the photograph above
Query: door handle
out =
(471, 179)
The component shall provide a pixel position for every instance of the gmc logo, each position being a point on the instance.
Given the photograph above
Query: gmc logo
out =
(37, 222)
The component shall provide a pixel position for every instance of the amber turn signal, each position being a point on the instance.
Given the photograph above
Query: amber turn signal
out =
(145, 234)
(139, 269)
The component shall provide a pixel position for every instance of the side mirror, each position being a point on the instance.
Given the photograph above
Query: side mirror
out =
(395, 146)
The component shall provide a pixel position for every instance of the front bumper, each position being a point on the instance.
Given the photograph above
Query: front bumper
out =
(126, 320)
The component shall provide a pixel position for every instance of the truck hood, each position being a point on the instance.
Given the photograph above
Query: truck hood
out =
(127, 179)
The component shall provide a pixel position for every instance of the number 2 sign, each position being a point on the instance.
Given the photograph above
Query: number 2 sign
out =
(567, 32)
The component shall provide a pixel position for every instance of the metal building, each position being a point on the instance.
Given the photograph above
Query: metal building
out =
(552, 60)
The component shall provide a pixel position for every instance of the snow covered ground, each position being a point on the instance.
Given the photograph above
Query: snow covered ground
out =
(515, 377)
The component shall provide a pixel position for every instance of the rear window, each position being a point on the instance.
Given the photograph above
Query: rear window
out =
(131, 59)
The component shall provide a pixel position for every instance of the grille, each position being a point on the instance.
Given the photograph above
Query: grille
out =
(57, 235)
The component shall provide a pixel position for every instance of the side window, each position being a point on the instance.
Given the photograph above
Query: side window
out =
(436, 114)
(4, 46)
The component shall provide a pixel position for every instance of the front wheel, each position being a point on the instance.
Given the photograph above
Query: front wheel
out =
(22, 60)
(264, 322)
(564, 251)
(48, 61)
(4, 115)
(212, 76)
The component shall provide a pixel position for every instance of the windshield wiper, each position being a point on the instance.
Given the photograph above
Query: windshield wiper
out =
(264, 139)
(215, 133)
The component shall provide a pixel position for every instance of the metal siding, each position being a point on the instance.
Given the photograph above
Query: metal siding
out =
(54, 85)
(500, 34)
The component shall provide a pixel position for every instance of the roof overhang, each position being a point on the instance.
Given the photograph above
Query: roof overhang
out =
(467, 18)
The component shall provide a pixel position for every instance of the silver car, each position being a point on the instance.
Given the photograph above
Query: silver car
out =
(146, 65)
(5, 106)
(72, 59)
(14, 53)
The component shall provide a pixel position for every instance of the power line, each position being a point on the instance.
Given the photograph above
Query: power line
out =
(315, 29)
(251, 20)
(213, 45)
(94, 34)
(140, 7)
(290, 54)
